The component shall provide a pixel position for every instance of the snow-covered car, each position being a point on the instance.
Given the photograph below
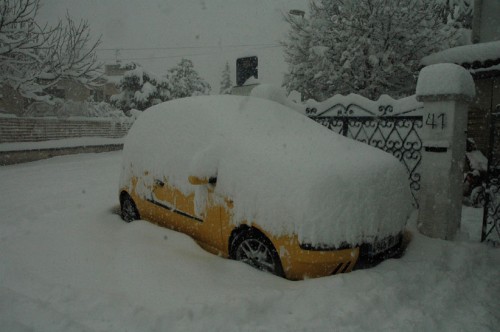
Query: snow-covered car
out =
(255, 181)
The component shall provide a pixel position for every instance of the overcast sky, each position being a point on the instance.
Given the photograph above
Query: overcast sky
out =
(157, 33)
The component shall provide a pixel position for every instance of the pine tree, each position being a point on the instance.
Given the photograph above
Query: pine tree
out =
(186, 82)
(225, 84)
(140, 89)
(369, 47)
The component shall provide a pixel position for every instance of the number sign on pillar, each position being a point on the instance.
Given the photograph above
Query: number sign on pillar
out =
(436, 121)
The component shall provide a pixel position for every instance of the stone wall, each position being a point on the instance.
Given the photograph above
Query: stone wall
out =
(44, 129)
(23, 156)
(18, 130)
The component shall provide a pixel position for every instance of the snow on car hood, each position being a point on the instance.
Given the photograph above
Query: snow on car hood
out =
(283, 171)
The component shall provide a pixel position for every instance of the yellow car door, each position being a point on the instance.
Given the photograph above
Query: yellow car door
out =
(179, 212)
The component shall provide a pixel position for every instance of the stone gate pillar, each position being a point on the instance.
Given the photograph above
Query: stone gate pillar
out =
(445, 90)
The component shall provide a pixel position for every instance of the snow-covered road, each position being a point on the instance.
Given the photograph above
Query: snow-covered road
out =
(67, 263)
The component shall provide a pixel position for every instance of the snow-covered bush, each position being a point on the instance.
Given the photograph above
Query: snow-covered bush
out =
(369, 47)
(140, 89)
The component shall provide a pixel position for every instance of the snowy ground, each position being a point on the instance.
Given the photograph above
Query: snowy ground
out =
(67, 263)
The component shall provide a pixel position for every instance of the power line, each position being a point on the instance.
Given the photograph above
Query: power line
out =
(174, 56)
(184, 47)
(162, 57)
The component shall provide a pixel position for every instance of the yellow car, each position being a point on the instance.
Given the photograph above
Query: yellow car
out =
(252, 180)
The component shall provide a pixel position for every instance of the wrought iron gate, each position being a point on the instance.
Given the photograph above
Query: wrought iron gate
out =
(491, 218)
(396, 134)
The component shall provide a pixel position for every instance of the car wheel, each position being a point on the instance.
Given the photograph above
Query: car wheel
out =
(255, 249)
(128, 209)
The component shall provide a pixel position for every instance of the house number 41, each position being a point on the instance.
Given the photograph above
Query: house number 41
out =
(435, 120)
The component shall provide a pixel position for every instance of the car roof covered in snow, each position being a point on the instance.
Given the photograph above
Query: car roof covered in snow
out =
(283, 171)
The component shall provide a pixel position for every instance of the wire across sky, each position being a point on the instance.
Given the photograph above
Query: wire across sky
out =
(135, 49)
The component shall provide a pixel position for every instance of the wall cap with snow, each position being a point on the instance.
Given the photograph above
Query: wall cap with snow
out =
(445, 81)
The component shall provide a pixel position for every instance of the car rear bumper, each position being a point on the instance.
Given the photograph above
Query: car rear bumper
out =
(300, 263)
(303, 264)
(371, 254)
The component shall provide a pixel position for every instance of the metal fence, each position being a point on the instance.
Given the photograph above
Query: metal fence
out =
(397, 134)
(491, 217)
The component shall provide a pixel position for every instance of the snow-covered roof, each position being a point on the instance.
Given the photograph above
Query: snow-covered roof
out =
(473, 57)
(115, 79)
(283, 171)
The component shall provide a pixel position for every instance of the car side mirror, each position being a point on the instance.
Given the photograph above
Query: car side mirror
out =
(194, 180)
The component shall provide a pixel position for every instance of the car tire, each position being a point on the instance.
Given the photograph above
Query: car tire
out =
(254, 248)
(128, 209)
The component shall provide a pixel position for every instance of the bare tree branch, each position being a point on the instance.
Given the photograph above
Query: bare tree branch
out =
(34, 58)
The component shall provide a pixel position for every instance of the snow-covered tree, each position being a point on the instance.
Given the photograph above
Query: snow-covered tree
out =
(35, 57)
(73, 54)
(186, 81)
(370, 47)
(225, 84)
(459, 11)
(140, 89)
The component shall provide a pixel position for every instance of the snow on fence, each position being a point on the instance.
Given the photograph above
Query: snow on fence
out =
(388, 124)
(13, 129)
(29, 139)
